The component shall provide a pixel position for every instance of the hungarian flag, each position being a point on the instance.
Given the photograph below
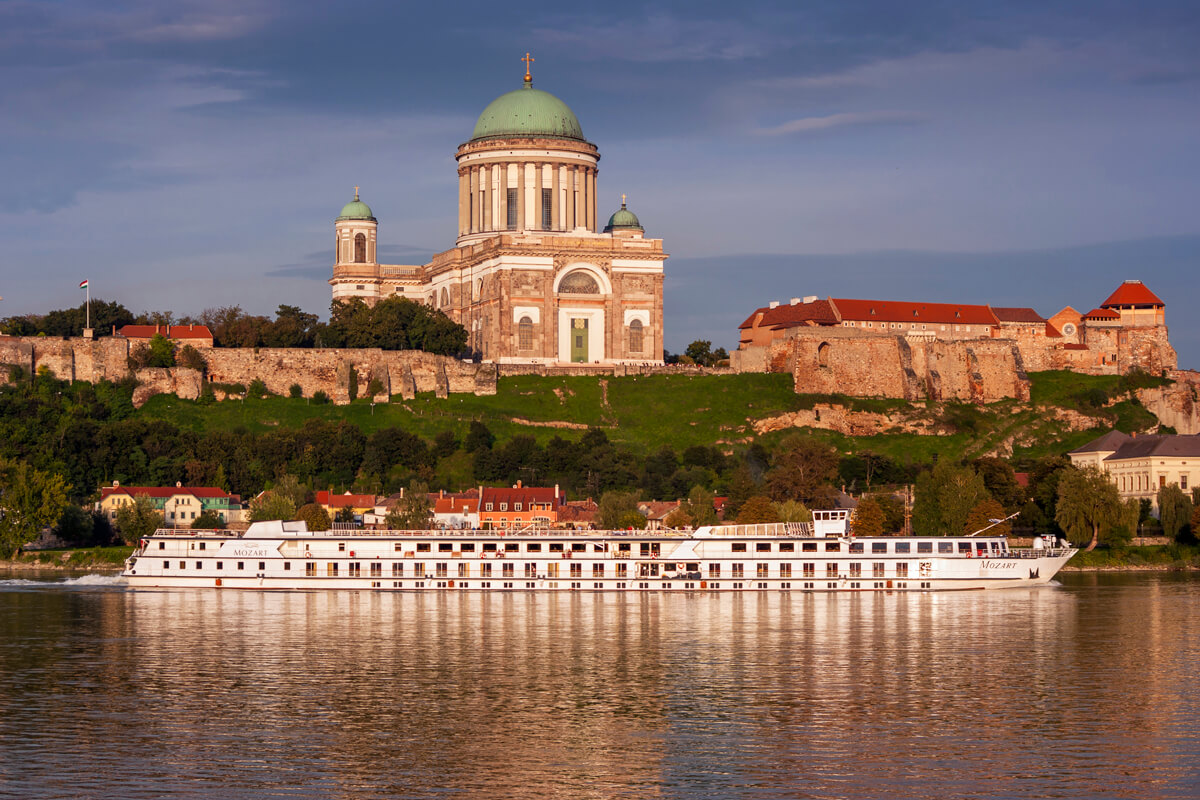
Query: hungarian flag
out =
(83, 284)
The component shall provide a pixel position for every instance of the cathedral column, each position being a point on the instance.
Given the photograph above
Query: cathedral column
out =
(539, 213)
(591, 196)
(502, 196)
(485, 199)
(576, 216)
(473, 189)
(463, 201)
(554, 205)
(521, 196)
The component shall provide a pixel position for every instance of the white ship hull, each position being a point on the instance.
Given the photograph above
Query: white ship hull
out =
(284, 557)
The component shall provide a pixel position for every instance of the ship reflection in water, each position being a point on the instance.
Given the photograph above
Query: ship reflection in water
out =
(1080, 690)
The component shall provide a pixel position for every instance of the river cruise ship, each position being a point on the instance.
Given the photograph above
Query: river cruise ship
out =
(821, 556)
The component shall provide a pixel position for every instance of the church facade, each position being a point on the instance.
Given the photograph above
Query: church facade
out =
(532, 276)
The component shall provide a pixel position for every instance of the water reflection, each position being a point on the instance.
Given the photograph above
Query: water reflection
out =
(1083, 690)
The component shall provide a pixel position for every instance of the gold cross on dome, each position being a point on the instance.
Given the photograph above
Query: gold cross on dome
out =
(528, 59)
(355, 192)
(622, 201)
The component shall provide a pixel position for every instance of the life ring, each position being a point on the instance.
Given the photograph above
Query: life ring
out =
(307, 554)
(968, 554)
(218, 582)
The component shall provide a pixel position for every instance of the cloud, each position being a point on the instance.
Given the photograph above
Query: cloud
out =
(319, 265)
(809, 124)
(663, 38)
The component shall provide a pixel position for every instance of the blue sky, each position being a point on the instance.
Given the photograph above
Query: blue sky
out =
(186, 154)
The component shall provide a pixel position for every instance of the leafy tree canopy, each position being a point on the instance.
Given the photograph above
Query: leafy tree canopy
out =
(30, 500)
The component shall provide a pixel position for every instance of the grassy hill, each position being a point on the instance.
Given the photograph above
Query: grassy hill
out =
(647, 412)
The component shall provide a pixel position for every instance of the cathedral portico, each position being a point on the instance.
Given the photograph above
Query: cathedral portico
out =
(532, 277)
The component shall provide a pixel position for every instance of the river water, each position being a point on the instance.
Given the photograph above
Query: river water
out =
(1084, 689)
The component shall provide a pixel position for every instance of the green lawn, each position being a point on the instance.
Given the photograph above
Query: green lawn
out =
(645, 411)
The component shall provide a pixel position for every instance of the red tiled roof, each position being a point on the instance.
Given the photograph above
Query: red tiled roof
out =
(818, 312)
(1022, 479)
(170, 331)
(1132, 293)
(345, 500)
(525, 494)
(1017, 315)
(1101, 313)
(164, 491)
(456, 505)
(1073, 346)
(897, 311)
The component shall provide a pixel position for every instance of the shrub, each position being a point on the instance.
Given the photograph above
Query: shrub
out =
(190, 357)
(257, 388)
(375, 387)
(319, 398)
(295, 391)
(352, 385)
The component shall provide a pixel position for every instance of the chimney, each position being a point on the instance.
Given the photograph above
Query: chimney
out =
(795, 301)
(116, 484)
(556, 491)
(517, 485)
(812, 298)
(773, 304)
(114, 330)
(178, 485)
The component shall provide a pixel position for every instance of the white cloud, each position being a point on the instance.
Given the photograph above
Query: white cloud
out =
(809, 124)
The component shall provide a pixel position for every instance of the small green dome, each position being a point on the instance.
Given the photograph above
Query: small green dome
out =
(356, 209)
(624, 219)
(528, 112)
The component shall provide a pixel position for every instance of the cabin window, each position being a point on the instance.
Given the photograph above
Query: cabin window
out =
(485, 570)
(556, 547)
(945, 547)
(785, 570)
(578, 547)
(856, 547)
(262, 565)
(464, 569)
(533, 547)
(576, 570)
(761, 569)
(440, 569)
(856, 569)
(162, 545)
(419, 569)
(762, 547)
(877, 569)
(445, 547)
(902, 569)
(341, 547)
(714, 570)
(738, 547)
(530, 570)
(831, 569)
(467, 547)
(808, 547)
(330, 568)
(787, 547)
(922, 547)
(489, 547)
(597, 570)
(241, 565)
(310, 569)
(903, 547)
(398, 569)
(964, 547)
(183, 565)
(739, 570)
(833, 547)
(423, 547)
(809, 569)
(878, 547)
(506, 570)
(511, 547)
(220, 565)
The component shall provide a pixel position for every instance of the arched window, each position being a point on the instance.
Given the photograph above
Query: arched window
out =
(635, 336)
(823, 354)
(525, 334)
(579, 282)
(360, 248)
(479, 289)
(445, 297)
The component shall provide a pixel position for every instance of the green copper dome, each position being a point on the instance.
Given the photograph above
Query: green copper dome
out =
(356, 209)
(624, 219)
(528, 112)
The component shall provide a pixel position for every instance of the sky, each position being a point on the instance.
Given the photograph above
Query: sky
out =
(194, 153)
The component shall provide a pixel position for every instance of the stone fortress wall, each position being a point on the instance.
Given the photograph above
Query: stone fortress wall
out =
(399, 372)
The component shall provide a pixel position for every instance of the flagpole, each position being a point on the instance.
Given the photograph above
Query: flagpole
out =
(88, 302)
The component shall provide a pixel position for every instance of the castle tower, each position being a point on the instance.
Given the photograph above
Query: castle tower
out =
(526, 167)
(355, 268)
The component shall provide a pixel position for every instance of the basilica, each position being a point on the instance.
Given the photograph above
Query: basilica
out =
(532, 276)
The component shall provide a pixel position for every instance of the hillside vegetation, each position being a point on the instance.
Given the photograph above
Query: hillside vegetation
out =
(648, 412)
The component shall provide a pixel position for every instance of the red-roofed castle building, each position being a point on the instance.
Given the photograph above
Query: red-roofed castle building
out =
(919, 350)
(195, 335)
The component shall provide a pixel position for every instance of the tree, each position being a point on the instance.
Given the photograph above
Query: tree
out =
(1174, 510)
(394, 323)
(162, 352)
(679, 518)
(1088, 505)
(793, 511)
(292, 488)
(1196, 521)
(802, 470)
(1001, 482)
(700, 351)
(700, 507)
(757, 509)
(893, 512)
(75, 526)
(295, 391)
(208, 521)
(867, 519)
(138, 519)
(413, 512)
(613, 506)
(479, 436)
(272, 505)
(981, 517)
(191, 358)
(30, 500)
(944, 498)
(631, 520)
(315, 517)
